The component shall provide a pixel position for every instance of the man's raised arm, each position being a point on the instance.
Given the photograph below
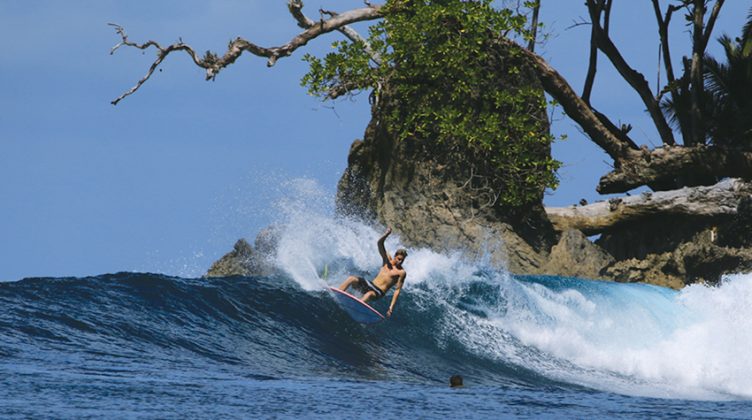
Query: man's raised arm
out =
(384, 255)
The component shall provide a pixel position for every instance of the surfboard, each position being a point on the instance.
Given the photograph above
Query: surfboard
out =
(356, 308)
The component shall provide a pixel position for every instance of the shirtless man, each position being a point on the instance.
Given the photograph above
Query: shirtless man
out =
(391, 273)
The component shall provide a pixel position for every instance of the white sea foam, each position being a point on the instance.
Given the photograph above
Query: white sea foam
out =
(644, 340)
(312, 237)
(628, 338)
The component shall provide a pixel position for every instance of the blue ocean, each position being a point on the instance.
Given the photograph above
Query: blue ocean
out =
(136, 345)
(144, 345)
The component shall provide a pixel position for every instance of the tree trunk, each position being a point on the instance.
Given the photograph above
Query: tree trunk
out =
(662, 165)
(721, 199)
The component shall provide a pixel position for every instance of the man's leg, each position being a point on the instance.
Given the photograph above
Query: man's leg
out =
(347, 283)
(368, 296)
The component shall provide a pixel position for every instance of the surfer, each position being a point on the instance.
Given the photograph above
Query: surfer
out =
(390, 274)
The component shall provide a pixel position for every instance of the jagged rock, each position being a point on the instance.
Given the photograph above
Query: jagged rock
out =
(238, 262)
(245, 260)
(653, 235)
(576, 256)
(699, 259)
(706, 262)
(659, 269)
(738, 232)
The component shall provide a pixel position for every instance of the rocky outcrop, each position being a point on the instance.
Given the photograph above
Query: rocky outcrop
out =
(576, 256)
(247, 260)
(699, 260)
(238, 262)
(675, 251)
(429, 205)
(443, 195)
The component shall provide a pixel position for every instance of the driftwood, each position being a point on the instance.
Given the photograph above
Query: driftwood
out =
(721, 199)
(650, 167)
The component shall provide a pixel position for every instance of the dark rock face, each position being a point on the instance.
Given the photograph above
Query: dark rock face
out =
(738, 232)
(700, 257)
(654, 235)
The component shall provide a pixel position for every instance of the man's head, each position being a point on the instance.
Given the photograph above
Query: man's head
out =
(399, 256)
(455, 381)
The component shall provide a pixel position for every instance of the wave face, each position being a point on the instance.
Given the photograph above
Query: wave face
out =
(452, 317)
(456, 315)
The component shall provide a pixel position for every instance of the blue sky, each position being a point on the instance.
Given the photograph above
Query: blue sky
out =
(167, 180)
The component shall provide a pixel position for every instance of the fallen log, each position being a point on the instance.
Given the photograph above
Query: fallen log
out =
(721, 199)
(665, 164)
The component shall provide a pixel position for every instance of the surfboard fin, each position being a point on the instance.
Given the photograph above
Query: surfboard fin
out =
(325, 273)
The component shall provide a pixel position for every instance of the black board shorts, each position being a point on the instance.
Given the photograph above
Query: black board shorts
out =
(364, 286)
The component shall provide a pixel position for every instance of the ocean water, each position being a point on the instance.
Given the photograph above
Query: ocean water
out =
(143, 345)
(148, 345)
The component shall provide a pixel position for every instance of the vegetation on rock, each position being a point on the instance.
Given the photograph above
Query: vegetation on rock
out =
(453, 80)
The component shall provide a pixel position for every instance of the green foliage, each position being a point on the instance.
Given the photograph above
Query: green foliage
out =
(726, 104)
(729, 86)
(452, 81)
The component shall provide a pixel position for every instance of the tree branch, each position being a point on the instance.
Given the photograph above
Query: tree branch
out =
(700, 37)
(576, 108)
(592, 63)
(534, 26)
(663, 24)
(631, 76)
(163, 52)
(672, 86)
(296, 9)
(711, 23)
(213, 63)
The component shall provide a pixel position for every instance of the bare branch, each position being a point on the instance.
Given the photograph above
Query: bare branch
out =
(163, 52)
(672, 86)
(631, 76)
(700, 36)
(697, 86)
(577, 109)
(296, 7)
(534, 26)
(592, 61)
(663, 24)
(213, 63)
(577, 23)
(711, 23)
(607, 17)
